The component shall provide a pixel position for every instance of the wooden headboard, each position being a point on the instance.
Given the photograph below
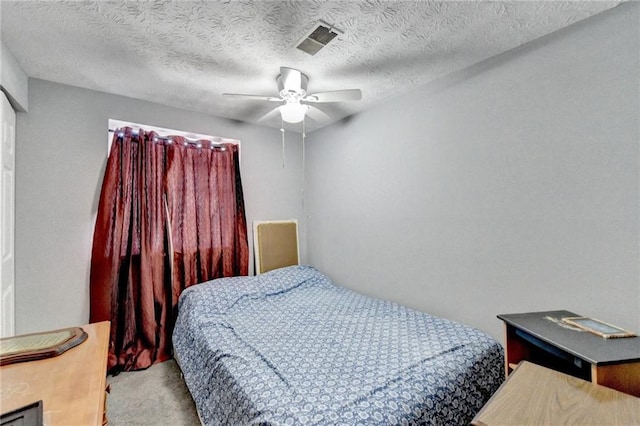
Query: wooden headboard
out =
(275, 244)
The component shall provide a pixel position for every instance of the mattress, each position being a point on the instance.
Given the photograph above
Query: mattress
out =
(290, 347)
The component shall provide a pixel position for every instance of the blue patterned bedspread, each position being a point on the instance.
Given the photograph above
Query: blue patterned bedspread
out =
(289, 347)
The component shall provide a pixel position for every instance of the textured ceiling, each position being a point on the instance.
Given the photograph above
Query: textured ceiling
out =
(187, 53)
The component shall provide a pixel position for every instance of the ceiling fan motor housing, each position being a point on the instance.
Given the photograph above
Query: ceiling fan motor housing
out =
(292, 84)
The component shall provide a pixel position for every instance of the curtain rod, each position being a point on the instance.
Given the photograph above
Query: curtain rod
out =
(187, 140)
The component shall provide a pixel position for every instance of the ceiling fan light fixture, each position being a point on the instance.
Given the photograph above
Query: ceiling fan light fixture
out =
(293, 112)
(292, 88)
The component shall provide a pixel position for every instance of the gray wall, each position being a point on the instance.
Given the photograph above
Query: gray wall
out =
(60, 160)
(509, 187)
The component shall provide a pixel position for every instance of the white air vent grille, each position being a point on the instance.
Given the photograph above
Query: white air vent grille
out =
(318, 38)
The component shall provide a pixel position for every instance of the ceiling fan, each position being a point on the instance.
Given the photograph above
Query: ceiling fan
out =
(292, 88)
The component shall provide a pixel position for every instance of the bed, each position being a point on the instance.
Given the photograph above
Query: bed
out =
(290, 347)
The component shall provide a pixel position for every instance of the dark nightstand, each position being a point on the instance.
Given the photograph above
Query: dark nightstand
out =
(536, 337)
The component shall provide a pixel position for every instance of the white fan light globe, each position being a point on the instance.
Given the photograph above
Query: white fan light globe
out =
(293, 112)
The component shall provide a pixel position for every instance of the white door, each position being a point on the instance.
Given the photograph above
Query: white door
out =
(7, 208)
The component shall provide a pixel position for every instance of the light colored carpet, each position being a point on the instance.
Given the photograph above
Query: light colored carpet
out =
(155, 396)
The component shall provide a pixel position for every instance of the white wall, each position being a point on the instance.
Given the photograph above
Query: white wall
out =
(60, 160)
(509, 187)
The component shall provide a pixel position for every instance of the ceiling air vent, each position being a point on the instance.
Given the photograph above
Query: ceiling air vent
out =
(318, 38)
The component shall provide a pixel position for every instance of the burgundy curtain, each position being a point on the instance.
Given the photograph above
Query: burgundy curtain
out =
(157, 196)
(206, 213)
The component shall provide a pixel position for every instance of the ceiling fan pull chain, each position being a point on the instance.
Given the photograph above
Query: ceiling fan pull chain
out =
(282, 131)
(304, 135)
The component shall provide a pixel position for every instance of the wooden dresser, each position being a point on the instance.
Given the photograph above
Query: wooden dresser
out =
(535, 395)
(71, 385)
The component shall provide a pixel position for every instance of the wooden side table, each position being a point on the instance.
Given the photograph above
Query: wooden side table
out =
(71, 385)
(535, 395)
(541, 338)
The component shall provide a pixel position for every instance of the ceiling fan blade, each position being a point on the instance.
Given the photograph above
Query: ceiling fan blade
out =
(270, 115)
(317, 115)
(335, 96)
(254, 97)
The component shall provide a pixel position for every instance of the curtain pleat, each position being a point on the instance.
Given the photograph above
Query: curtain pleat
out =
(241, 252)
(132, 284)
